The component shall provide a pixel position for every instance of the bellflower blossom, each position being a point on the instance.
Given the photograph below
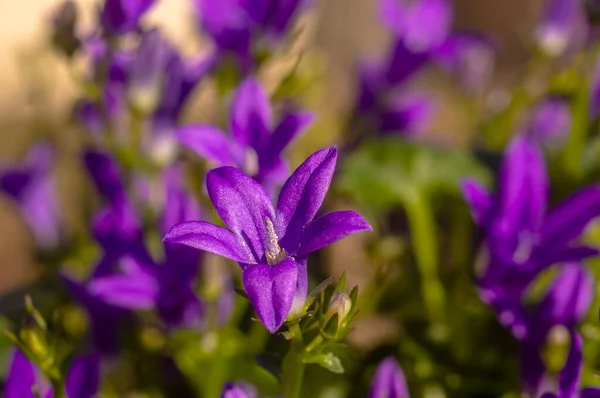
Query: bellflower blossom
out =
(238, 26)
(271, 244)
(139, 282)
(566, 303)
(83, 379)
(389, 381)
(256, 144)
(563, 25)
(521, 237)
(122, 16)
(570, 375)
(550, 121)
(32, 185)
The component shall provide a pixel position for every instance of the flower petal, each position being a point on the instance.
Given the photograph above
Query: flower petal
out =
(589, 392)
(569, 219)
(545, 256)
(389, 381)
(211, 144)
(106, 176)
(83, 379)
(209, 237)
(302, 195)
(21, 377)
(478, 199)
(251, 115)
(330, 228)
(135, 292)
(243, 205)
(292, 125)
(569, 376)
(523, 186)
(271, 291)
(569, 298)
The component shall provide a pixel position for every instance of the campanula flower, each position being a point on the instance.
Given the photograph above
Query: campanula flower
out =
(521, 237)
(238, 26)
(271, 244)
(256, 144)
(122, 16)
(239, 390)
(563, 25)
(550, 121)
(32, 185)
(565, 304)
(83, 379)
(570, 375)
(389, 381)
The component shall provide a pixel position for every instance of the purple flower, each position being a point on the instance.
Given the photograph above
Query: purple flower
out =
(271, 244)
(237, 25)
(550, 121)
(32, 185)
(122, 16)
(569, 377)
(566, 303)
(521, 238)
(256, 145)
(83, 379)
(409, 114)
(563, 25)
(239, 390)
(422, 25)
(389, 381)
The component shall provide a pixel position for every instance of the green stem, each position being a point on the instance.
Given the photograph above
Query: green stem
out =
(58, 387)
(423, 232)
(293, 365)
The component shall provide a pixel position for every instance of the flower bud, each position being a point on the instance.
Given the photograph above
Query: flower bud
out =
(64, 22)
(340, 304)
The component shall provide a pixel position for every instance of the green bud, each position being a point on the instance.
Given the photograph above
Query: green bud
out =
(35, 342)
(340, 305)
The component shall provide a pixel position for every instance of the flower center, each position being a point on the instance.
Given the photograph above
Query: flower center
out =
(274, 253)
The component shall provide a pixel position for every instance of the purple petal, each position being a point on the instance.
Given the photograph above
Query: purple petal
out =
(563, 25)
(551, 121)
(120, 16)
(83, 379)
(251, 115)
(106, 176)
(568, 220)
(389, 381)
(570, 374)
(211, 238)
(271, 290)
(227, 23)
(302, 195)
(550, 395)
(545, 256)
(211, 144)
(329, 228)
(532, 365)
(589, 393)
(301, 286)
(21, 377)
(408, 114)
(292, 125)
(239, 390)
(136, 292)
(243, 205)
(523, 186)
(479, 200)
(403, 64)
(284, 13)
(180, 205)
(569, 298)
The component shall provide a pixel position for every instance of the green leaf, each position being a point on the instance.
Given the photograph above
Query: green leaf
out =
(386, 172)
(329, 361)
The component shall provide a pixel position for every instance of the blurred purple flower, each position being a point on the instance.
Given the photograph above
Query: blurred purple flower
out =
(140, 283)
(550, 121)
(256, 145)
(122, 16)
(239, 390)
(409, 114)
(469, 57)
(563, 26)
(570, 375)
(567, 302)
(422, 25)
(83, 379)
(520, 237)
(271, 245)
(32, 185)
(236, 26)
(389, 381)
